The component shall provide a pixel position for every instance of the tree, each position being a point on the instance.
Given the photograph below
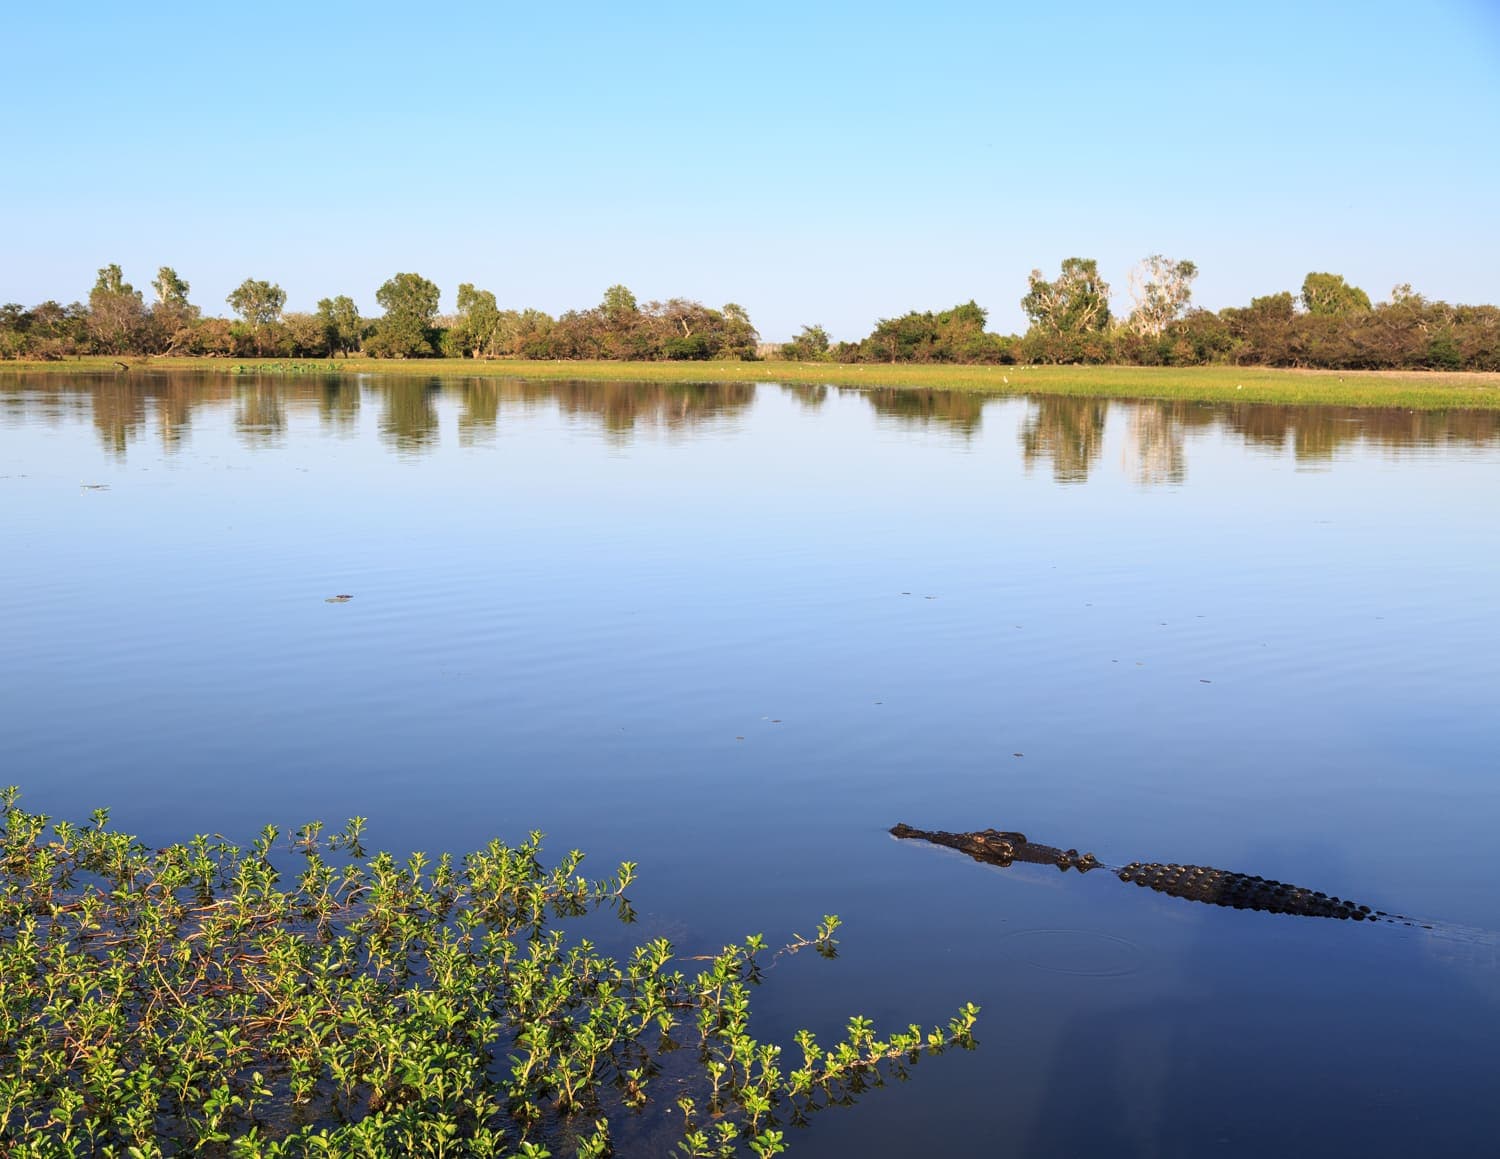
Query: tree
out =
(1329, 294)
(954, 335)
(1077, 303)
(618, 328)
(170, 289)
(524, 333)
(678, 329)
(811, 345)
(341, 321)
(619, 301)
(739, 337)
(1161, 290)
(477, 329)
(1263, 330)
(303, 336)
(48, 331)
(258, 303)
(410, 302)
(172, 317)
(115, 312)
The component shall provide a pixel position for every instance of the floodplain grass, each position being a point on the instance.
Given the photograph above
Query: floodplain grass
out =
(305, 996)
(1434, 390)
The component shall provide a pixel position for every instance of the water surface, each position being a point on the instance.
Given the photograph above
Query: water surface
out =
(736, 632)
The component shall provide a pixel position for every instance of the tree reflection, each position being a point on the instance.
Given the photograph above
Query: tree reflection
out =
(960, 411)
(123, 407)
(620, 406)
(810, 395)
(338, 404)
(1160, 454)
(481, 411)
(127, 409)
(1069, 431)
(408, 419)
(119, 412)
(1317, 433)
(260, 416)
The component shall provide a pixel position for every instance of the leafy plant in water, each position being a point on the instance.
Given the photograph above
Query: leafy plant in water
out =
(288, 367)
(305, 997)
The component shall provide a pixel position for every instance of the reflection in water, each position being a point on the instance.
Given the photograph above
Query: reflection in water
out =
(119, 413)
(409, 420)
(960, 411)
(810, 395)
(1191, 882)
(1159, 445)
(1069, 432)
(620, 406)
(480, 417)
(338, 404)
(260, 414)
(1317, 432)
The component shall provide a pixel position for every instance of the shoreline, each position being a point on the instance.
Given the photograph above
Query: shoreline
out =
(1429, 390)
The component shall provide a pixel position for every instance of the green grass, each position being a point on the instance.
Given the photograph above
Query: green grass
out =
(1408, 390)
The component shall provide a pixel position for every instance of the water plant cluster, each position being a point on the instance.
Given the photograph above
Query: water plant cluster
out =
(303, 996)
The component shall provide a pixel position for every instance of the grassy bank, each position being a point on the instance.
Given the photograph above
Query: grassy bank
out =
(1425, 391)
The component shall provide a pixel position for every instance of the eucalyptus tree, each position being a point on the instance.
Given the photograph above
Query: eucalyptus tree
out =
(1161, 289)
(259, 304)
(740, 337)
(172, 316)
(170, 289)
(1076, 303)
(116, 312)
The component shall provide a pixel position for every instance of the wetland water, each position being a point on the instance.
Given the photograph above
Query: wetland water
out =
(735, 633)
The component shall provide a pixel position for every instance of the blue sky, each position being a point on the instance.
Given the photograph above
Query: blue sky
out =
(831, 163)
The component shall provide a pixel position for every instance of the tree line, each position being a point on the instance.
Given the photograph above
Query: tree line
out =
(1329, 324)
(118, 320)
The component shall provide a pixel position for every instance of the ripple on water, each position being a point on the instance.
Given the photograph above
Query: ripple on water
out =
(1084, 953)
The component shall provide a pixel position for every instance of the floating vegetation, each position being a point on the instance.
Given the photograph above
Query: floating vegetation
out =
(290, 366)
(341, 598)
(304, 996)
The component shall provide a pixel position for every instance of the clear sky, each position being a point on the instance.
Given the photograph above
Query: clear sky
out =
(832, 163)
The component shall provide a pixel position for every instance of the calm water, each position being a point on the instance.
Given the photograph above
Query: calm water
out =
(737, 632)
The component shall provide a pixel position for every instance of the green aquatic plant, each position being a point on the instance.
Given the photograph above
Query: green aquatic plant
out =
(286, 366)
(304, 996)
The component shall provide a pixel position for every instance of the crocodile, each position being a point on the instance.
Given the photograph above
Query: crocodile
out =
(1193, 882)
(995, 847)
